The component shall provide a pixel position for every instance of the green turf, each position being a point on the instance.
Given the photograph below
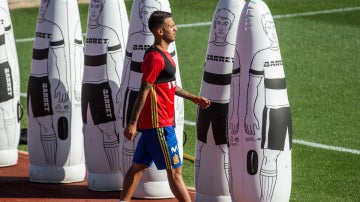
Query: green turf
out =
(320, 55)
(322, 175)
(322, 78)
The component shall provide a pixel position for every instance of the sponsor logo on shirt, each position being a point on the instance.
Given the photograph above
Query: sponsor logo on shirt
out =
(97, 40)
(273, 63)
(140, 47)
(43, 35)
(220, 58)
(8, 81)
(107, 103)
(46, 97)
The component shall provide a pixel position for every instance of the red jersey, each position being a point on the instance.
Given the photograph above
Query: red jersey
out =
(159, 69)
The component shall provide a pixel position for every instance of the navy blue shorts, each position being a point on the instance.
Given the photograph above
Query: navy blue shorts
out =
(39, 93)
(158, 145)
(276, 124)
(98, 97)
(6, 82)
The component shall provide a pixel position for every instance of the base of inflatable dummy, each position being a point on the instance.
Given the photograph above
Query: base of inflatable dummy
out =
(211, 198)
(153, 190)
(66, 174)
(8, 157)
(105, 182)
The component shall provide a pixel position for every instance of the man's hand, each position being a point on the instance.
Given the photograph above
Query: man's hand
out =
(61, 92)
(130, 131)
(203, 102)
(251, 124)
(234, 124)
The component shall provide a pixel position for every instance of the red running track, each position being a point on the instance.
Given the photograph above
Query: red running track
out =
(15, 186)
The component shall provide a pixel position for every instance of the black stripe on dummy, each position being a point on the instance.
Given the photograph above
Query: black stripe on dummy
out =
(95, 60)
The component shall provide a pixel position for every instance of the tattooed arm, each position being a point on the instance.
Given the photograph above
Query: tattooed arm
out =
(131, 129)
(199, 100)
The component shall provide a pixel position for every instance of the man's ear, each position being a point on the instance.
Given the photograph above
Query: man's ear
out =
(160, 31)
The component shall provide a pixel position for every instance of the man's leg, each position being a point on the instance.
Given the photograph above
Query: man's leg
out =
(177, 184)
(268, 173)
(111, 144)
(131, 180)
(48, 138)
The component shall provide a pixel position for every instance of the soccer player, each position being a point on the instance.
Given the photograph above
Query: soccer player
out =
(138, 42)
(153, 113)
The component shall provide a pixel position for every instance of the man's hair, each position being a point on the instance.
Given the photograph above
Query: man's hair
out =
(266, 18)
(157, 19)
(226, 14)
(154, 4)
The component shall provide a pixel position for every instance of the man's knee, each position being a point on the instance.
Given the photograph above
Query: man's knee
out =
(136, 168)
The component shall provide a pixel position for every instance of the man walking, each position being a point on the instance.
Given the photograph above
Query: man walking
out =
(153, 112)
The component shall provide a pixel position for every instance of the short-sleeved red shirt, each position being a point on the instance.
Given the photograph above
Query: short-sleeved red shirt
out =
(159, 69)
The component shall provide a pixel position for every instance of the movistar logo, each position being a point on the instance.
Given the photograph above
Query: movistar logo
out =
(174, 149)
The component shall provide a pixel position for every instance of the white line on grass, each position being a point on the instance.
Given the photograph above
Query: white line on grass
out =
(339, 10)
(328, 147)
(302, 142)
(189, 123)
(292, 15)
(310, 144)
(24, 40)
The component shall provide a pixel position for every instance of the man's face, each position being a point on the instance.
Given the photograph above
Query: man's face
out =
(222, 26)
(146, 13)
(271, 31)
(95, 10)
(169, 30)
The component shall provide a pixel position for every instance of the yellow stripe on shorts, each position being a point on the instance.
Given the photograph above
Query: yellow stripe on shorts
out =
(164, 147)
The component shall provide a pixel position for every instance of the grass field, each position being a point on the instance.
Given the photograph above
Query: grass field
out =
(319, 42)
